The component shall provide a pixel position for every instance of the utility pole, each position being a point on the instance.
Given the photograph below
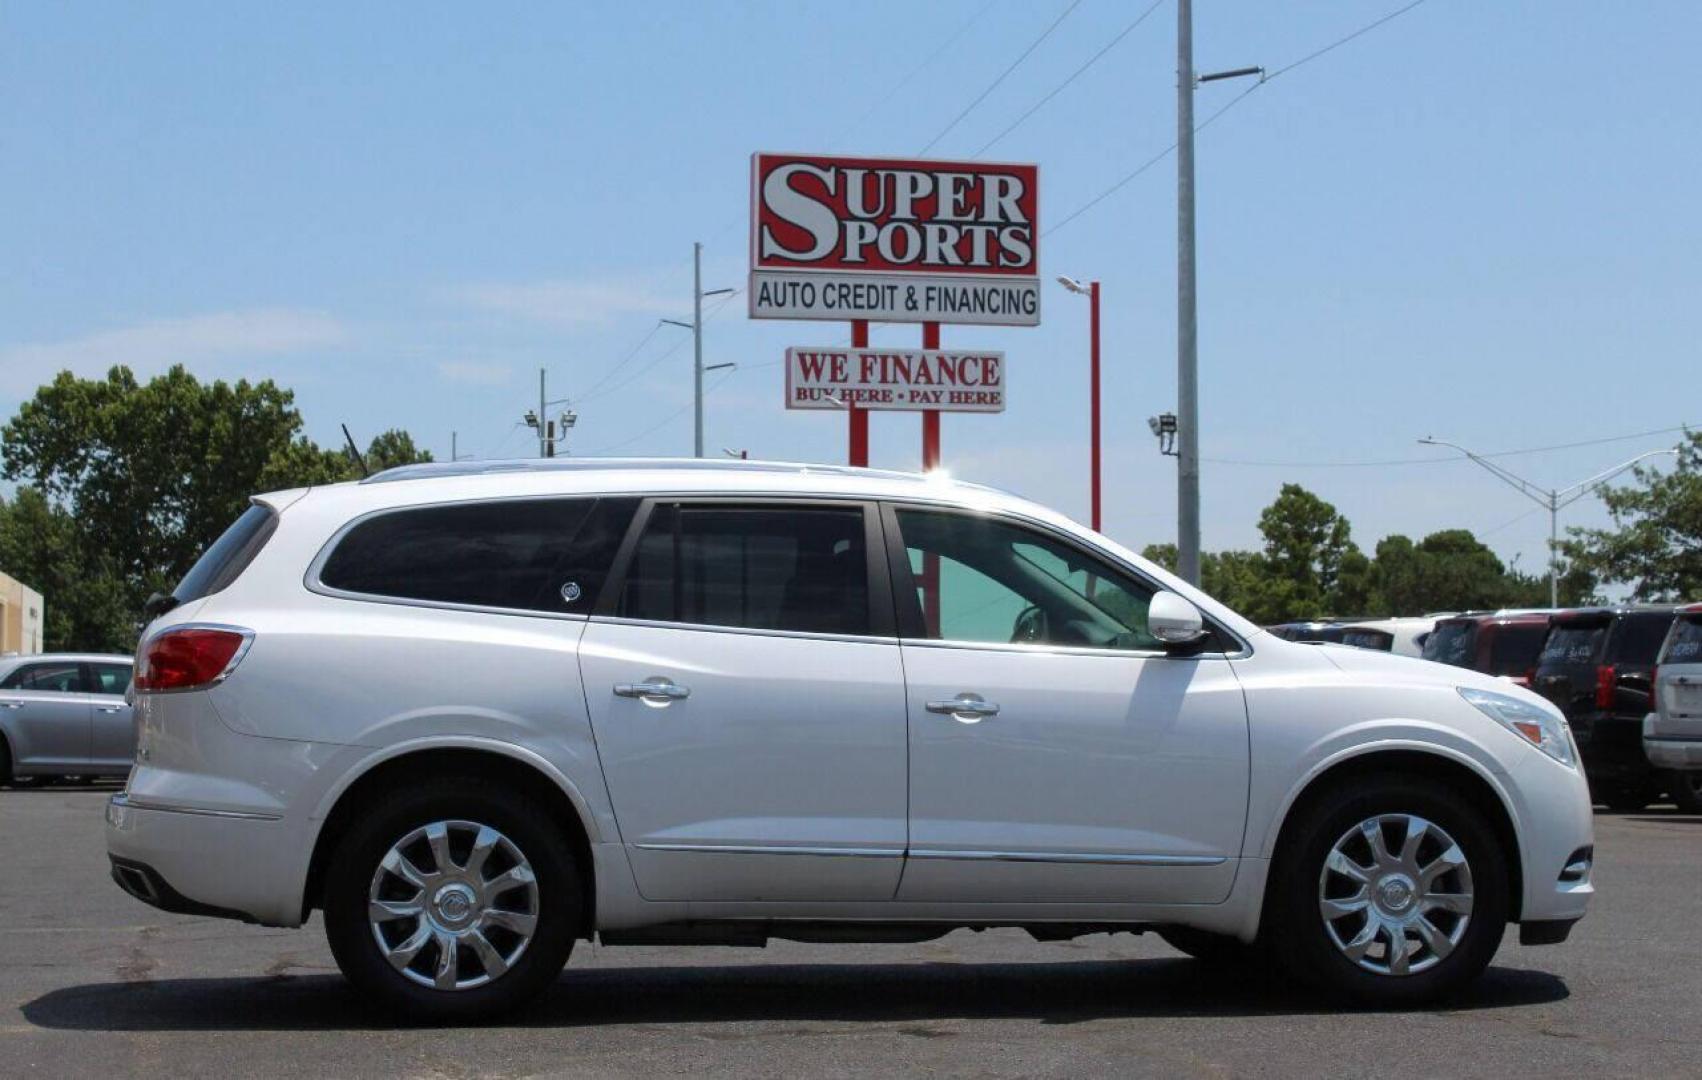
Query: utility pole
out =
(697, 348)
(1187, 325)
(1187, 321)
(1551, 499)
(696, 328)
(453, 455)
(542, 433)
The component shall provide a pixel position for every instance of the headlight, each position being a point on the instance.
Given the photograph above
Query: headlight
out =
(1546, 731)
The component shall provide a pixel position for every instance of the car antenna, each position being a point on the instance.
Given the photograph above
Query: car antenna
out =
(360, 462)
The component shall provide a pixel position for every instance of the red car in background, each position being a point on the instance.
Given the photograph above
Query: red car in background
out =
(1504, 643)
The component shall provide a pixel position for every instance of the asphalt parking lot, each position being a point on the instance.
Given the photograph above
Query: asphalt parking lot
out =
(92, 982)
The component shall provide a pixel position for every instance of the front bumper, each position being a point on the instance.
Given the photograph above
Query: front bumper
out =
(1557, 840)
(204, 863)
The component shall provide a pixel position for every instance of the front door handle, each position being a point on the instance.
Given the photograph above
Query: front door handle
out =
(109, 708)
(11, 704)
(653, 691)
(969, 708)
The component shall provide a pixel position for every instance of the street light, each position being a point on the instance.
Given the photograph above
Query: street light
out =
(1091, 291)
(1553, 499)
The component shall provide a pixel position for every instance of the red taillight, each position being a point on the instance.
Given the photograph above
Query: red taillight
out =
(1606, 677)
(187, 658)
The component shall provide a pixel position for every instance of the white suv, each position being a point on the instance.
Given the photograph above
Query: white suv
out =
(474, 712)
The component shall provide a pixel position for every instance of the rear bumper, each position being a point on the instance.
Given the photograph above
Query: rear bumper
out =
(199, 862)
(1683, 755)
(1668, 752)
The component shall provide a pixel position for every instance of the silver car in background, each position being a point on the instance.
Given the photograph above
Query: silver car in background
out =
(64, 714)
(1672, 733)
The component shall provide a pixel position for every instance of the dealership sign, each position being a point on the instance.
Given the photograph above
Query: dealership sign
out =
(894, 240)
(950, 380)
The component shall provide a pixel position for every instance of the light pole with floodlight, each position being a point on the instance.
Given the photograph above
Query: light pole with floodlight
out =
(1091, 291)
(1552, 499)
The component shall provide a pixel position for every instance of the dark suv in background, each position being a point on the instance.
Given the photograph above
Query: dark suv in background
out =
(1493, 642)
(1598, 665)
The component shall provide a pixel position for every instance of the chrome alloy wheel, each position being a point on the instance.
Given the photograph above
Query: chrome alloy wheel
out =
(1395, 894)
(464, 921)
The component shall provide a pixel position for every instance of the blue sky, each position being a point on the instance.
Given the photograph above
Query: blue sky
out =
(1478, 221)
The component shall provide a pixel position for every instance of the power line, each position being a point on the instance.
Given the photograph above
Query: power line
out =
(1444, 459)
(1014, 64)
(663, 355)
(659, 425)
(1238, 99)
(917, 70)
(618, 364)
(1339, 42)
(1074, 75)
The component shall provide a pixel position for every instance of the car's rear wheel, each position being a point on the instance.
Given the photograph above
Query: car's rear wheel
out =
(453, 900)
(1388, 891)
(1686, 790)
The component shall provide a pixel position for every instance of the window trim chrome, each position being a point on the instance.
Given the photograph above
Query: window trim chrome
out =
(773, 849)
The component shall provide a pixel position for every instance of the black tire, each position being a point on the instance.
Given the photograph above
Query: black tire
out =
(1295, 929)
(6, 777)
(1686, 790)
(392, 817)
(1219, 950)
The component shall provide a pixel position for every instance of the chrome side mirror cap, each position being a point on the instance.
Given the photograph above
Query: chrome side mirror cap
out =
(1174, 620)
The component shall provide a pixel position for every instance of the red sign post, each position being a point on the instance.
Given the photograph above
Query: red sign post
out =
(894, 240)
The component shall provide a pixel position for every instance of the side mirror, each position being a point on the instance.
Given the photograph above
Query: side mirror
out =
(1173, 620)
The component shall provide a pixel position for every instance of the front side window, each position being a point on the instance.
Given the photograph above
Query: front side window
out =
(548, 555)
(1361, 637)
(802, 569)
(979, 579)
(110, 678)
(57, 677)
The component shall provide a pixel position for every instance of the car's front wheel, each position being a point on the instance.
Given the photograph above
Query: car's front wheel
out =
(1389, 891)
(452, 900)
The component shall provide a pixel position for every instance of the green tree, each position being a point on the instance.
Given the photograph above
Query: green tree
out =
(86, 604)
(146, 476)
(1655, 544)
(1307, 545)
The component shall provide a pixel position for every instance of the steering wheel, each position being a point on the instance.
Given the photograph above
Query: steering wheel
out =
(1031, 627)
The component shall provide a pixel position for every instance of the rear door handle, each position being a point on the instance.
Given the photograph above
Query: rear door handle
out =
(969, 708)
(653, 691)
(109, 708)
(11, 704)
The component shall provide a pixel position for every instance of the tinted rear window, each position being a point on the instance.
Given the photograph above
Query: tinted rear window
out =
(230, 554)
(800, 569)
(1570, 644)
(1451, 643)
(1685, 645)
(528, 555)
(1639, 638)
(1513, 650)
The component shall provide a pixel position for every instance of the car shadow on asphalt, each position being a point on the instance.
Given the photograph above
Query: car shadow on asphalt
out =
(1054, 993)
